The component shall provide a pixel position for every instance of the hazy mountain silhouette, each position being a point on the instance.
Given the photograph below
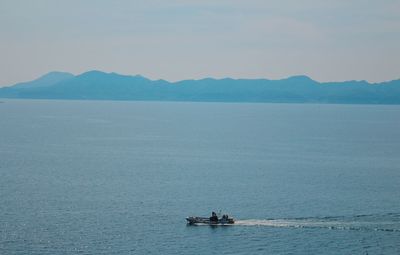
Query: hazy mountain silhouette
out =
(45, 80)
(111, 86)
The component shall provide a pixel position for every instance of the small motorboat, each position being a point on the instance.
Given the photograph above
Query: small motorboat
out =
(213, 220)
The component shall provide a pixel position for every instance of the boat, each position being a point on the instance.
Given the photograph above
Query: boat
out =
(213, 220)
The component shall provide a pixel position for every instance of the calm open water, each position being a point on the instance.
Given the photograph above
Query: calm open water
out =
(101, 177)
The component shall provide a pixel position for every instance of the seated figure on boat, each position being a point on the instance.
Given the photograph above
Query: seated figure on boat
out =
(214, 217)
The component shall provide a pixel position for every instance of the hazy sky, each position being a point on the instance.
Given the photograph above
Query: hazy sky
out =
(328, 40)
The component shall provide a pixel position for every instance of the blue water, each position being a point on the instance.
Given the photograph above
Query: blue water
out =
(88, 177)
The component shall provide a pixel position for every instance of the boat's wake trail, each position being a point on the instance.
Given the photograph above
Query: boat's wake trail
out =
(377, 222)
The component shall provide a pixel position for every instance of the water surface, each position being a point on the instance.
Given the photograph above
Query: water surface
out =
(103, 177)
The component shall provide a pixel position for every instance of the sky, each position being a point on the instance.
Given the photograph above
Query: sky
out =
(330, 40)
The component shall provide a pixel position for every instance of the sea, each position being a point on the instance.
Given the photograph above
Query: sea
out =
(119, 177)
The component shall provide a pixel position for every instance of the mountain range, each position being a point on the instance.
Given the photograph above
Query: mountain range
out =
(96, 85)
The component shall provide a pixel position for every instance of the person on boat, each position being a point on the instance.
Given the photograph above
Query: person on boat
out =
(214, 217)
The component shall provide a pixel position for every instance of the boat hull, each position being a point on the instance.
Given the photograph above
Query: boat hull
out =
(207, 221)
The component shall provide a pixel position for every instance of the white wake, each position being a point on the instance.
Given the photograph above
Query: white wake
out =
(364, 222)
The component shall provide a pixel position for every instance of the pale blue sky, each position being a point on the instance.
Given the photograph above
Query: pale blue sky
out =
(181, 39)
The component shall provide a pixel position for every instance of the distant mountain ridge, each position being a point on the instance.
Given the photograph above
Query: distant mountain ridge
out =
(45, 80)
(96, 85)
